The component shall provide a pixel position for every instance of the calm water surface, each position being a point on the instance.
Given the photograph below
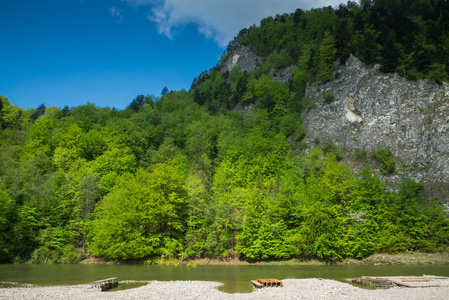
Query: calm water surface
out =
(235, 278)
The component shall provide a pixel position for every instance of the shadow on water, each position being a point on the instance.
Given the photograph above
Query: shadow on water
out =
(234, 278)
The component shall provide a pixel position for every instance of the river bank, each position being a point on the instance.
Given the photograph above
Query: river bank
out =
(292, 289)
(406, 258)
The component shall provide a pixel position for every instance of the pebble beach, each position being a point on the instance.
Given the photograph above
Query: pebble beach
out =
(292, 289)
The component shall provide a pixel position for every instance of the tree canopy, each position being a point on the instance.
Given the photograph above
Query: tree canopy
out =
(221, 170)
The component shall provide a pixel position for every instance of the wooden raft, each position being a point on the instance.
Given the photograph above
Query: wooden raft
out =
(410, 281)
(260, 283)
(106, 284)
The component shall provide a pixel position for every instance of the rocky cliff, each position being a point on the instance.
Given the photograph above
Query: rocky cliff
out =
(366, 110)
(243, 57)
(248, 61)
(362, 110)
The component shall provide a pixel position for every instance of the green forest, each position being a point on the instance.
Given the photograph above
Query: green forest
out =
(222, 170)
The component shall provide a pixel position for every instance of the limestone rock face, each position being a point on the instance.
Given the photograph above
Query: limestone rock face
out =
(242, 56)
(282, 75)
(370, 110)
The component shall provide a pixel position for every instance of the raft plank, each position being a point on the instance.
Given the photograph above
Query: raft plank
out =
(257, 284)
(106, 284)
(269, 282)
(106, 280)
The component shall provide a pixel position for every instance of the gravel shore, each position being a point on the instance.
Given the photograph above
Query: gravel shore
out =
(292, 289)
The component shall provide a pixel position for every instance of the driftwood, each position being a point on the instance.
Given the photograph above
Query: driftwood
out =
(407, 281)
(257, 284)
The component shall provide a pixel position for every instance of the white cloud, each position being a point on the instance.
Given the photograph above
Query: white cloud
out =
(220, 19)
(116, 13)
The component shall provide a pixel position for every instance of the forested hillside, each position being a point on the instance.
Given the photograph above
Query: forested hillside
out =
(222, 170)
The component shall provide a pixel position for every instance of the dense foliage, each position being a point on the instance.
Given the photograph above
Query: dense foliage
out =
(221, 170)
(410, 37)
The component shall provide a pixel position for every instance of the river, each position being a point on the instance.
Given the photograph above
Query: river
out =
(234, 277)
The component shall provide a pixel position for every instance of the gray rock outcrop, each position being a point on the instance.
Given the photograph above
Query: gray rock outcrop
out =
(368, 110)
(242, 56)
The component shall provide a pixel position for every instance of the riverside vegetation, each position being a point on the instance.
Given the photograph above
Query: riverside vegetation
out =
(222, 170)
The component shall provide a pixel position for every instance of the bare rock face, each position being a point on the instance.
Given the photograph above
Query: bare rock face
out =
(242, 56)
(282, 75)
(362, 108)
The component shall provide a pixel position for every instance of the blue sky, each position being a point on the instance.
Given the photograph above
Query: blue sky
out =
(70, 52)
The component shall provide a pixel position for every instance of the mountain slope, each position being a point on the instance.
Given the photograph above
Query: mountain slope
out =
(266, 157)
(360, 106)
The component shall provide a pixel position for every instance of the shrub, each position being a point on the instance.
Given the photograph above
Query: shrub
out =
(329, 147)
(386, 159)
(328, 97)
(306, 103)
(361, 154)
